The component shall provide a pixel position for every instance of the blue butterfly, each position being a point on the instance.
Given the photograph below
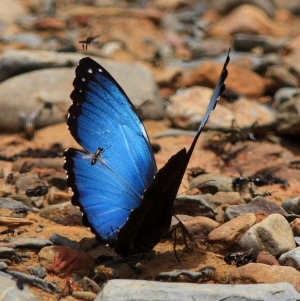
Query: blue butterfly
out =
(124, 199)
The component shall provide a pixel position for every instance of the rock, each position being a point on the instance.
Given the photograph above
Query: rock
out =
(3, 266)
(273, 234)
(59, 240)
(88, 296)
(194, 205)
(292, 205)
(295, 225)
(217, 183)
(40, 283)
(207, 74)
(9, 203)
(10, 291)
(26, 181)
(64, 214)
(284, 94)
(135, 290)
(38, 87)
(186, 110)
(38, 271)
(283, 76)
(225, 7)
(61, 259)
(230, 198)
(247, 19)
(6, 252)
(247, 42)
(113, 271)
(267, 259)
(28, 39)
(229, 233)
(209, 47)
(199, 227)
(11, 10)
(145, 97)
(262, 273)
(258, 205)
(31, 243)
(291, 258)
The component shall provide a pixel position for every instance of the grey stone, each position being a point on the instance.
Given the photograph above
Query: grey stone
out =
(38, 271)
(142, 290)
(224, 7)
(291, 258)
(217, 182)
(3, 265)
(9, 203)
(284, 94)
(195, 205)
(28, 38)
(28, 242)
(30, 91)
(292, 205)
(7, 252)
(289, 117)
(10, 291)
(257, 205)
(273, 235)
(60, 240)
(32, 280)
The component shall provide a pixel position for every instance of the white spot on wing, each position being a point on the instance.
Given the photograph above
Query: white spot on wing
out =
(100, 70)
(90, 71)
(83, 79)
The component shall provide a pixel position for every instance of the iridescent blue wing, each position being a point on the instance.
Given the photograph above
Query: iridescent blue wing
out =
(110, 177)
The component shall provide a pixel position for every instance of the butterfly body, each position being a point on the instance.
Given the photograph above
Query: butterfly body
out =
(124, 199)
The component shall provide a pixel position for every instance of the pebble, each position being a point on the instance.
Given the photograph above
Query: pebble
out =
(10, 291)
(186, 112)
(291, 258)
(65, 214)
(88, 296)
(195, 205)
(273, 234)
(292, 205)
(288, 117)
(60, 240)
(60, 259)
(229, 233)
(3, 265)
(230, 198)
(295, 225)
(247, 19)
(258, 205)
(38, 271)
(32, 280)
(262, 273)
(7, 252)
(217, 182)
(9, 203)
(224, 7)
(207, 74)
(31, 243)
(199, 227)
(135, 290)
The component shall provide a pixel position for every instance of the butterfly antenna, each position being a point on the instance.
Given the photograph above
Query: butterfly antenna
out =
(184, 192)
